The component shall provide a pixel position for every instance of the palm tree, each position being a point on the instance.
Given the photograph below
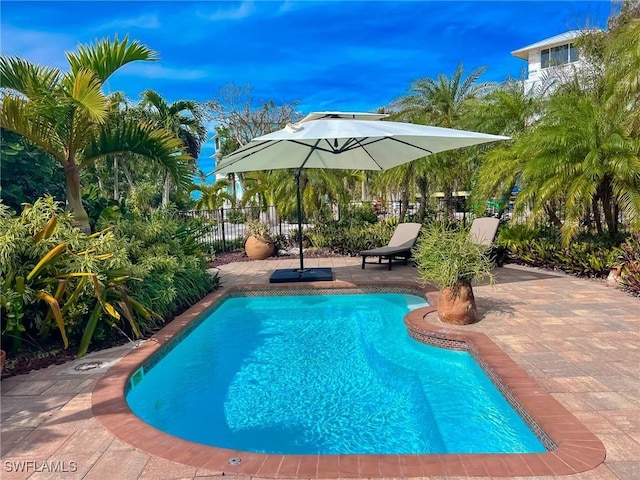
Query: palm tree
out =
(507, 110)
(213, 196)
(184, 119)
(581, 154)
(66, 114)
(442, 101)
(622, 54)
(319, 188)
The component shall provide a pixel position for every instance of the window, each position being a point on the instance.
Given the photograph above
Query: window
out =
(551, 57)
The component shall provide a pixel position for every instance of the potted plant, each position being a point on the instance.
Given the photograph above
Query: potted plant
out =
(448, 258)
(259, 243)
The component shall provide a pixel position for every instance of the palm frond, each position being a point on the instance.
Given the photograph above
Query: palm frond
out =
(106, 56)
(26, 78)
(145, 139)
(16, 115)
(85, 89)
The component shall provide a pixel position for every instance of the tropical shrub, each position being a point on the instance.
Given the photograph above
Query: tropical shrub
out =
(52, 272)
(359, 214)
(446, 256)
(123, 280)
(347, 238)
(39, 173)
(217, 246)
(588, 255)
(167, 255)
(631, 262)
(236, 215)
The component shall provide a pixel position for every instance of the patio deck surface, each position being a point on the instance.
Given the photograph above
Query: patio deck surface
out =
(577, 338)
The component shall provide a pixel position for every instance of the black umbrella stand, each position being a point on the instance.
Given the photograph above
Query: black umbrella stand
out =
(301, 274)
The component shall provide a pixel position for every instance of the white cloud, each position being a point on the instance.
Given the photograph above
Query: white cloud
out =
(143, 21)
(45, 48)
(156, 70)
(239, 12)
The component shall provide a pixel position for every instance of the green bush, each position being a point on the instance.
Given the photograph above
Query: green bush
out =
(358, 214)
(167, 256)
(351, 238)
(588, 255)
(446, 256)
(631, 263)
(51, 273)
(60, 284)
(236, 216)
(216, 246)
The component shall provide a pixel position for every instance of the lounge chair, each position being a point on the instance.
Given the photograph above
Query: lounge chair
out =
(484, 229)
(398, 248)
(483, 232)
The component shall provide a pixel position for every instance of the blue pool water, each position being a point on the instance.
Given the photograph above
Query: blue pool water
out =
(326, 375)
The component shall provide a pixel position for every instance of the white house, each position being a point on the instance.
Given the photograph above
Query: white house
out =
(549, 59)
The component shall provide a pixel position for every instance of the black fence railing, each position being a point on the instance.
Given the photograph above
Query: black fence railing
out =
(225, 229)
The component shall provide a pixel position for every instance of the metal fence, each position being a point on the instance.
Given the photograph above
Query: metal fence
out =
(225, 229)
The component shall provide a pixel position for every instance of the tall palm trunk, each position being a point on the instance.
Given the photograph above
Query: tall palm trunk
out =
(74, 199)
(116, 187)
(166, 190)
(448, 203)
(127, 175)
(404, 204)
(423, 187)
(596, 214)
(609, 207)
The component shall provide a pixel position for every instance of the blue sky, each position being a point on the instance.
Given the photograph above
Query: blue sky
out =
(347, 56)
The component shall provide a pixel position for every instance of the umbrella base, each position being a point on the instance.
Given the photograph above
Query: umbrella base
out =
(284, 275)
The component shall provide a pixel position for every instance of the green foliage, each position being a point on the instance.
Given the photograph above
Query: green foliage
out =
(52, 271)
(359, 213)
(258, 229)
(236, 215)
(27, 173)
(217, 246)
(588, 255)
(120, 281)
(516, 234)
(350, 238)
(68, 115)
(631, 262)
(166, 254)
(446, 256)
(99, 208)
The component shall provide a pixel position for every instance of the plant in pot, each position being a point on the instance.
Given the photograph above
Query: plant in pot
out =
(259, 243)
(447, 257)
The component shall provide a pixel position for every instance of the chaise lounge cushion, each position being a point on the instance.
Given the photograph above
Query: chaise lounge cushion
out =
(400, 245)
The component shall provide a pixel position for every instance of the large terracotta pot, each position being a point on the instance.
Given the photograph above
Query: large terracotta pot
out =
(457, 304)
(258, 247)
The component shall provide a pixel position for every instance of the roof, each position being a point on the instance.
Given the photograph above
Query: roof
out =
(547, 42)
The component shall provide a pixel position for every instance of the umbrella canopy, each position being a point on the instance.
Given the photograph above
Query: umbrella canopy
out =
(353, 141)
(343, 140)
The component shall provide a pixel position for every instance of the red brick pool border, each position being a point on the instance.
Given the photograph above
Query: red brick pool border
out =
(574, 448)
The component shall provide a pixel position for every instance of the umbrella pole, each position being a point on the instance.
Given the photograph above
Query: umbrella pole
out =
(299, 201)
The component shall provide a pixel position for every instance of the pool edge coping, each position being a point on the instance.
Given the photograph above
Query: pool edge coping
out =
(577, 449)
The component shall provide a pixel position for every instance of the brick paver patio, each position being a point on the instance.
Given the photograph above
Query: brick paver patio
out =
(577, 338)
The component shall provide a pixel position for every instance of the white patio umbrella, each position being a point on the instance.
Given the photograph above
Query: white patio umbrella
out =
(340, 140)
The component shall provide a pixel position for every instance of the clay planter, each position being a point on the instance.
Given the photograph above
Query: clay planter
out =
(258, 247)
(457, 305)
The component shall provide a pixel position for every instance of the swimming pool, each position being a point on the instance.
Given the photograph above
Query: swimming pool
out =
(324, 374)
